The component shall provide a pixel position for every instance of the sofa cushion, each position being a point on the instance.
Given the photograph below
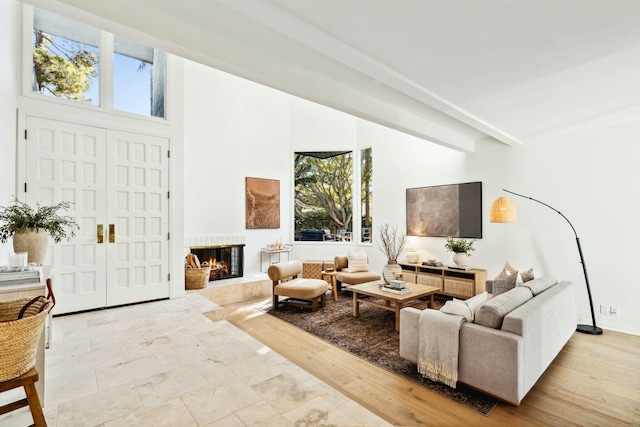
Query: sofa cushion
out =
(476, 301)
(504, 284)
(540, 284)
(466, 308)
(357, 261)
(492, 312)
(457, 307)
(301, 288)
(357, 278)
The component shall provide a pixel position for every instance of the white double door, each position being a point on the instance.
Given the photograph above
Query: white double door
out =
(118, 184)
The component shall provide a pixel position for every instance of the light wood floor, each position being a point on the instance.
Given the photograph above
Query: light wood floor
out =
(594, 381)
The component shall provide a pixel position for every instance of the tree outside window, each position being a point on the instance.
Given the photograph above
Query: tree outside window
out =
(366, 197)
(323, 196)
(65, 58)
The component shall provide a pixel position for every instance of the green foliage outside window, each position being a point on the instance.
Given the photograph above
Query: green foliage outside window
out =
(323, 192)
(63, 68)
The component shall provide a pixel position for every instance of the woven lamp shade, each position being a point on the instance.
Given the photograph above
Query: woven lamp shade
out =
(502, 210)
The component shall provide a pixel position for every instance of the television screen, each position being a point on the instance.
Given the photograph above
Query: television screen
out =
(445, 210)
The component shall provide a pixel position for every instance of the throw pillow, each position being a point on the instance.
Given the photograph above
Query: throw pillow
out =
(510, 269)
(357, 261)
(507, 270)
(458, 307)
(527, 275)
(504, 284)
(474, 302)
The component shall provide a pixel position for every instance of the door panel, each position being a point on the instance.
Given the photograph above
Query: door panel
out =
(118, 183)
(65, 162)
(139, 213)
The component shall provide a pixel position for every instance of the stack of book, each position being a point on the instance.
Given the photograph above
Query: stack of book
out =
(432, 264)
(460, 267)
(396, 287)
(8, 276)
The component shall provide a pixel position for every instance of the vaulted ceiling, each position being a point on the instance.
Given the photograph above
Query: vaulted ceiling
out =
(450, 71)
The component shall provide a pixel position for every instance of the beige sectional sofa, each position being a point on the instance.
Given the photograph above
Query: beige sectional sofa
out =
(506, 349)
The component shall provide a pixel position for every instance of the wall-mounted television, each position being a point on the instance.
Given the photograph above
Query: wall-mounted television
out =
(445, 210)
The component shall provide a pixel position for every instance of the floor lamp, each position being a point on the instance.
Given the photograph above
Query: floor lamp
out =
(504, 210)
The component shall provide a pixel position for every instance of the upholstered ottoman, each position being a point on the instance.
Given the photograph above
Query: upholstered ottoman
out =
(310, 292)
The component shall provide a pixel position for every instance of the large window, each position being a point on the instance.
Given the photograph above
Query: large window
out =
(65, 58)
(366, 196)
(65, 63)
(138, 78)
(323, 196)
(324, 199)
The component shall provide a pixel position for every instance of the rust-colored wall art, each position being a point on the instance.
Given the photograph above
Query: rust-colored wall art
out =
(263, 203)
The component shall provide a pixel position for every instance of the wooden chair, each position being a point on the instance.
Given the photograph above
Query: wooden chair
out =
(26, 380)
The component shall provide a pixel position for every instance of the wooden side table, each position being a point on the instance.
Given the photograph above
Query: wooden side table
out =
(330, 277)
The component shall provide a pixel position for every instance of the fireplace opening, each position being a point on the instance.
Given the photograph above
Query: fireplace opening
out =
(226, 261)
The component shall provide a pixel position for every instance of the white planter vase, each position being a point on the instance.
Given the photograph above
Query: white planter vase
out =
(460, 259)
(34, 242)
(391, 271)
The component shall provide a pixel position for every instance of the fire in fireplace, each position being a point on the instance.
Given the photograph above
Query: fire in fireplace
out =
(226, 261)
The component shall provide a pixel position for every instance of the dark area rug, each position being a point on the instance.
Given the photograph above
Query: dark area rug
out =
(372, 337)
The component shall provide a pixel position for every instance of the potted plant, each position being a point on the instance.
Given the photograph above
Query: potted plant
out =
(31, 227)
(391, 244)
(462, 249)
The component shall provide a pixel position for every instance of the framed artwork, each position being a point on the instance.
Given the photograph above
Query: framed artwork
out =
(445, 210)
(262, 198)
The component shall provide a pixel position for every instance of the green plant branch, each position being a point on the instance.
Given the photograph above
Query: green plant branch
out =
(19, 216)
(459, 246)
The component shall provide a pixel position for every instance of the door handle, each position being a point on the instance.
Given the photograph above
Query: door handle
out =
(100, 233)
(112, 233)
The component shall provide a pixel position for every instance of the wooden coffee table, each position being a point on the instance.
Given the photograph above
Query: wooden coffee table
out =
(372, 289)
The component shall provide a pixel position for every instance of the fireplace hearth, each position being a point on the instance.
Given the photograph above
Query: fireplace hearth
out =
(227, 261)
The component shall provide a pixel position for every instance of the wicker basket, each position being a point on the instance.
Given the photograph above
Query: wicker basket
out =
(19, 338)
(196, 278)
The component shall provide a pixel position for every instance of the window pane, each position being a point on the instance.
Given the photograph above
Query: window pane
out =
(65, 58)
(323, 183)
(366, 181)
(138, 78)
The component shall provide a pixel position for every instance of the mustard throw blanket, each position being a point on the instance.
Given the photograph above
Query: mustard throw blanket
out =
(439, 344)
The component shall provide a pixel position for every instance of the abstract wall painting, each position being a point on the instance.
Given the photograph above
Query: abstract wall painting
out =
(262, 198)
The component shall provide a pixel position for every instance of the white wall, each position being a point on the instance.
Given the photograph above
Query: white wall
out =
(8, 105)
(235, 128)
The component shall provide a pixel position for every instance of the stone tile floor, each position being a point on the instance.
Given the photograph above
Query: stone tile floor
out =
(165, 364)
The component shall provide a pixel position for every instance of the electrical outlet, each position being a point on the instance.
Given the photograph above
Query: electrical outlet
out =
(604, 309)
(614, 311)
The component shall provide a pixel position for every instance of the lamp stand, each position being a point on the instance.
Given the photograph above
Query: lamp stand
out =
(585, 329)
